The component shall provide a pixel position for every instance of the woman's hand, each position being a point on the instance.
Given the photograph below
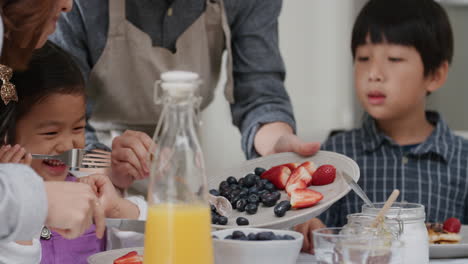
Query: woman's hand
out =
(306, 229)
(114, 205)
(15, 154)
(130, 156)
(279, 137)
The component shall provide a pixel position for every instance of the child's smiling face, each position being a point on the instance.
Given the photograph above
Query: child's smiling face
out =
(390, 81)
(52, 126)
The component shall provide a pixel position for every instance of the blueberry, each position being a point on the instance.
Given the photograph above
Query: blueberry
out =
(223, 185)
(252, 237)
(257, 178)
(269, 200)
(281, 208)
(235, 186)
(249, 180)
(259, 171)
(214, 237)
(241, 182)
(288, 237)
(253, 198)
(228, 237)
(253, 190)
(263, 194)
(242, 221)
(214, 219)
(240, 205)
(213, 208)
(222, 220)
(231, 196)
(236, 192)
(214, 192)
(251, 208)
(266, 236)
(231, 180)
(237, 234)
(265, 181)
(244, 192)
(276, 195)
(234, 201)
(270, 187)
(260, 185)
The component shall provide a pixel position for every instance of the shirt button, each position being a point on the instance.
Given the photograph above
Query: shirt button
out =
(169, 12)
(404, 160)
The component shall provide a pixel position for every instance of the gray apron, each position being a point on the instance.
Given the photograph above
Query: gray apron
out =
(121, 83)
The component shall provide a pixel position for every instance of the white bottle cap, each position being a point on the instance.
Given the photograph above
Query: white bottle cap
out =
(177, 83)
(179, 76)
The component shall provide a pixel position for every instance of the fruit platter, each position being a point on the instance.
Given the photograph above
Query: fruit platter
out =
(281, 190)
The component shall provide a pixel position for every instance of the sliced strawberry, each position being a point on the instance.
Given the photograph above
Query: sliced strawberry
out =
(291, 165)
(277, 175)
(452, 225)
(131, 257)
(324, 174)
(302, 198)
(311, 168)
(290, 187)
(299, 179)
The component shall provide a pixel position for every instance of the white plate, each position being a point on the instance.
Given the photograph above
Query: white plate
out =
(108, 257)
(265, 217)
(451, 250)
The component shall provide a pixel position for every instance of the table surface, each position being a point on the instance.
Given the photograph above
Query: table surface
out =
(310, 259)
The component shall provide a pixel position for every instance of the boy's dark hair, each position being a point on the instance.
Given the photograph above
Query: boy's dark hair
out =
(50, 71)
(422, 24)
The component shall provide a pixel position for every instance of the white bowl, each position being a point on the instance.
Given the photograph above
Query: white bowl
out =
(228, 251)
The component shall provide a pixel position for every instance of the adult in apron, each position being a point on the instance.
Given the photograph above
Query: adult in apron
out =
(121, 82)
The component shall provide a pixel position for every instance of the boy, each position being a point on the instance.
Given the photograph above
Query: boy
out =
(401, 51)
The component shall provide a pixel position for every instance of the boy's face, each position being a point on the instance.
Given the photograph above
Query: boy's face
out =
(390, 81)
(54, 125)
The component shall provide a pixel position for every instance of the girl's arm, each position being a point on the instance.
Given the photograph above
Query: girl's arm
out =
(114, 205)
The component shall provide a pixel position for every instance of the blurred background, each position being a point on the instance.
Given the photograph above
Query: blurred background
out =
(314, 41)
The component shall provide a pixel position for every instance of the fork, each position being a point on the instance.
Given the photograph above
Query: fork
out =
(80, 158)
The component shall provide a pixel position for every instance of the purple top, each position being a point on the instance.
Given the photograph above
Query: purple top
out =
(59, 250)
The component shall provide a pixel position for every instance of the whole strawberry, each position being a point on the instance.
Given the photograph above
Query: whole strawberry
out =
(452, 225)
(324, 174)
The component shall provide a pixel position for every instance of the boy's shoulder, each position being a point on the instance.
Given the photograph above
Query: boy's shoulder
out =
(345, 141)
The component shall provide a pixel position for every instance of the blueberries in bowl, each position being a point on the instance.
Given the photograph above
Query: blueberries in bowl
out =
(260, 236)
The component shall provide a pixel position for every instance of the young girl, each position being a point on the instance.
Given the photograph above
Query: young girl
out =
(49, 119)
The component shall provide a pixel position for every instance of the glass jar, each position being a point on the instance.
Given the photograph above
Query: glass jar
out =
(178, 226)
(414, 233)
(361, 223)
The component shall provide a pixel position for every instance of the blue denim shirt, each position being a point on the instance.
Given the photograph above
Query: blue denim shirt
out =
(433, 173)
(258, 69)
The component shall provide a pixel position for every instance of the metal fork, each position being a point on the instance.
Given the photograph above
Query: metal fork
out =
(80, 158)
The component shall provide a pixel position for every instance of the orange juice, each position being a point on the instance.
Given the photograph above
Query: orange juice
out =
(178, 234)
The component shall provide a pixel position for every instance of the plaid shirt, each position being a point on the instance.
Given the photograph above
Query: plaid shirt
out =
(433, 173)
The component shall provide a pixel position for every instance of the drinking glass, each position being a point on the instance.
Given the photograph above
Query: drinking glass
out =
(332, 246)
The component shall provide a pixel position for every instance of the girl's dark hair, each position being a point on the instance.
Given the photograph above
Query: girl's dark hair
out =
(25, 21)
(422, 24)
(50, 71)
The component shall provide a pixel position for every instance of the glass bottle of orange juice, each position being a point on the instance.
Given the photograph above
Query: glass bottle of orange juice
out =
(178, 226)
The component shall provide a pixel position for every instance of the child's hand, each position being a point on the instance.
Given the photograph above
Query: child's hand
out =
(306, 230)
(130, 153)
(114, 205)
(72, 207)
(15, 154)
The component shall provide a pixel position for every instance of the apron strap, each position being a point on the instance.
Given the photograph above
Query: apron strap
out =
(229, 87)
(117, 15)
